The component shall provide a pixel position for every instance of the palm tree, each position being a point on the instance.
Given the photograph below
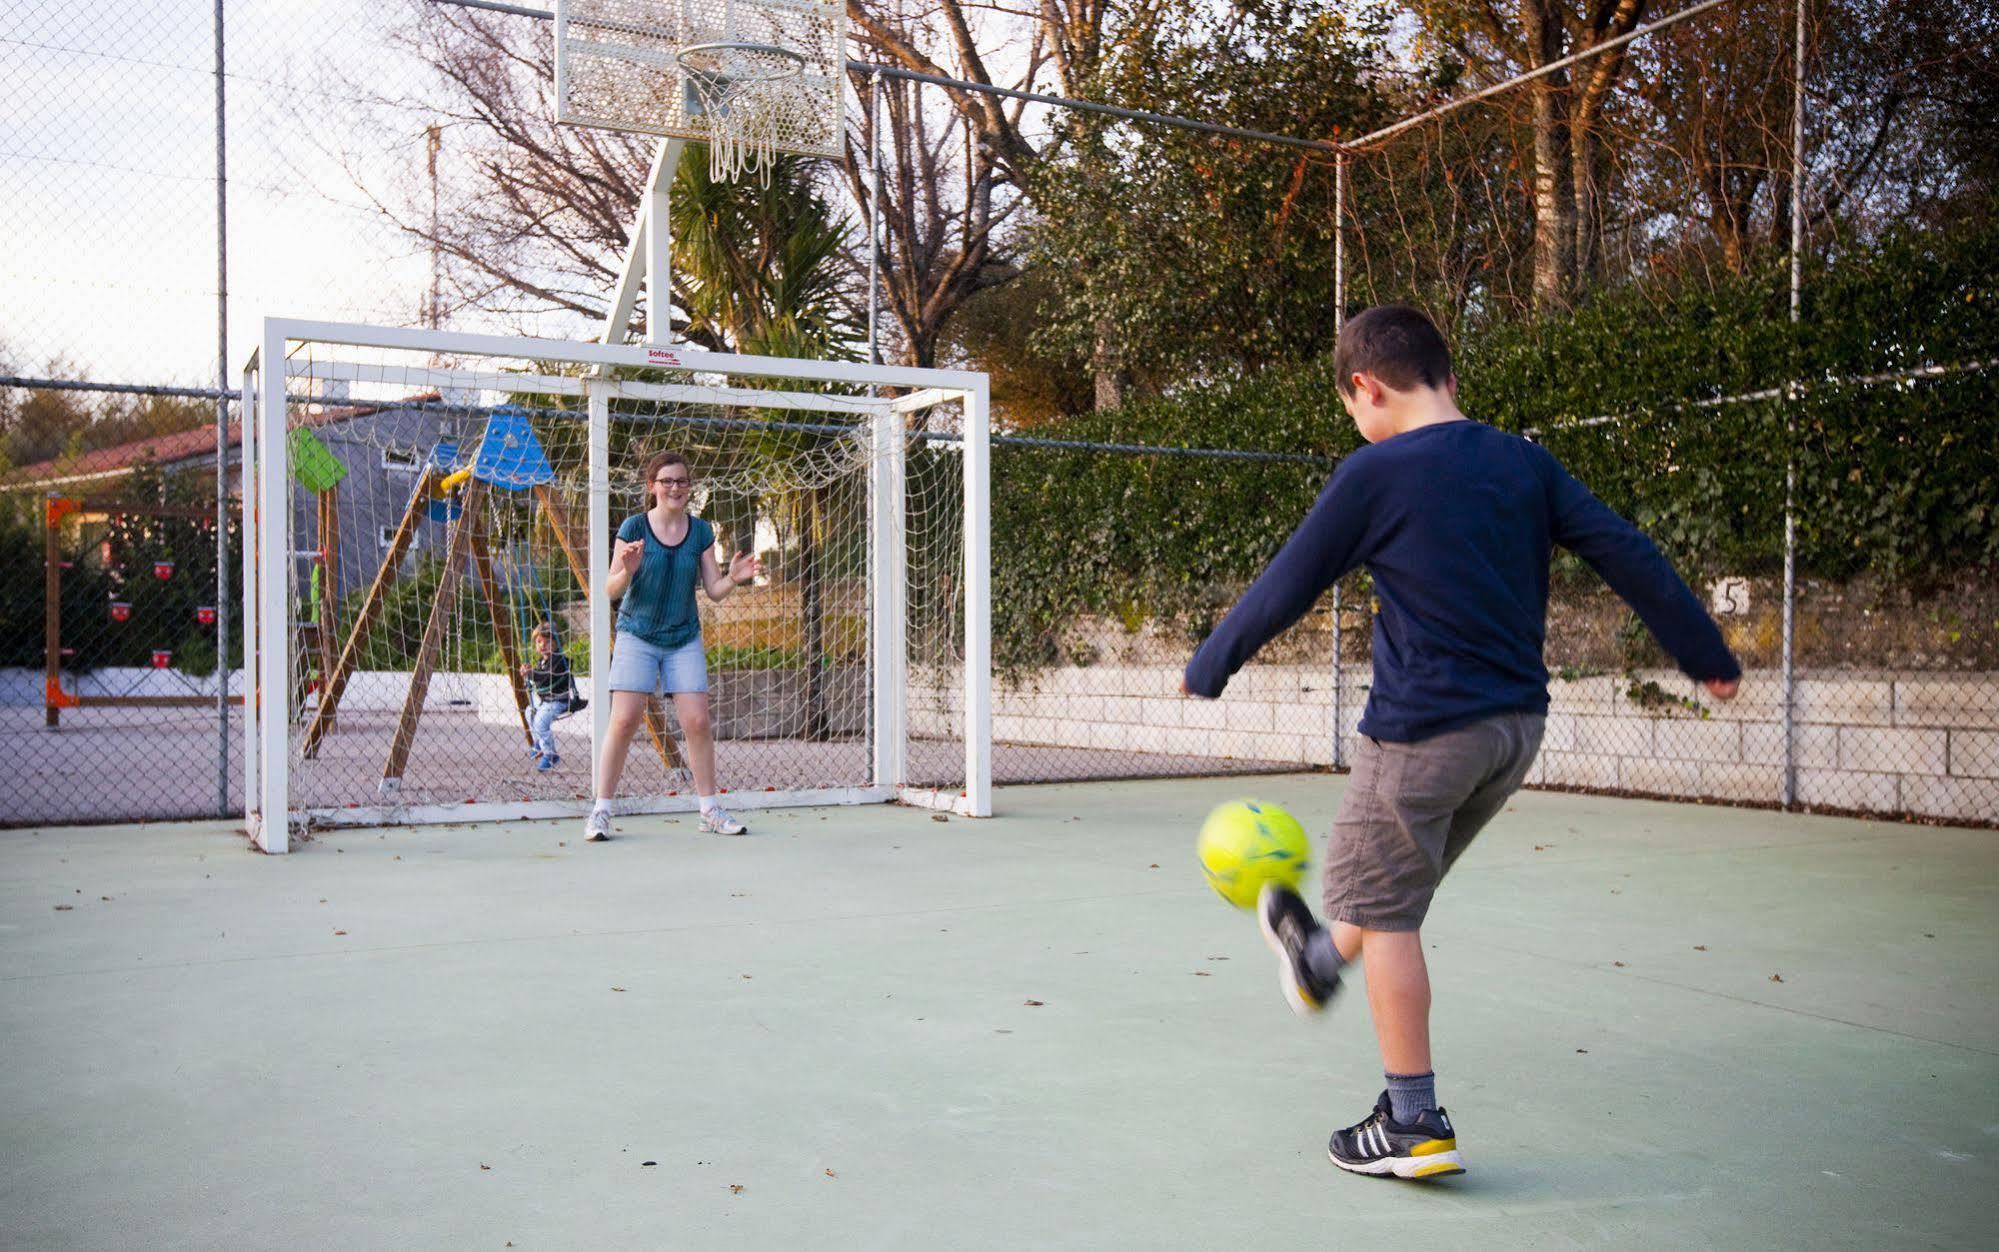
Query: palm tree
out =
(759, 269)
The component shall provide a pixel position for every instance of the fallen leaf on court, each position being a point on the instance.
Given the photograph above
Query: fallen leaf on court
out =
(831, 1174)
(1619, 964)
(1700, 947)
(1776, 978)
(1218, 958)
(106, 899)
(1928, 935)
(1154, 865)
(939, 817)
(1543, 847)
(643, 1164)
(1583, 1051)
(483, 1165)
(617, 988)
(339, 932)
(735, 1188)
(65, 908)
(1034, 1004)
(1201, 973)
(746, 976)
(399, 856)
(322, 901)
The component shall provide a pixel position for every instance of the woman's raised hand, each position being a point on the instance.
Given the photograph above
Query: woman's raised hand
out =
(628, 554)
(744, 568)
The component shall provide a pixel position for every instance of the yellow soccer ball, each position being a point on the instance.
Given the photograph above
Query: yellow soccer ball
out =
(1246, 843)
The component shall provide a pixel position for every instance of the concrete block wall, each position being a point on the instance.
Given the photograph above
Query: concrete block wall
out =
(1876, 742)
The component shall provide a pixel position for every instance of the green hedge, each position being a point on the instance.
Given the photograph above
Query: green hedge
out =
(1892, 481)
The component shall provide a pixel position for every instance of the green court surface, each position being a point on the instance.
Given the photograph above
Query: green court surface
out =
(1657, 1025)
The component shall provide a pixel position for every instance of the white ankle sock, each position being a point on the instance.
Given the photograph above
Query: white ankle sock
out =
(710, 803)
(602, 806)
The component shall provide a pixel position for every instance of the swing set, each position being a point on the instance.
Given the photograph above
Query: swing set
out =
(509, 460)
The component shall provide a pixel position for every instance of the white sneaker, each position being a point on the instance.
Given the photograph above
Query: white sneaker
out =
(597, 827)
(716, 821)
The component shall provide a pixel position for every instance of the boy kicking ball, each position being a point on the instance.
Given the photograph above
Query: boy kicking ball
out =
(1455, 520)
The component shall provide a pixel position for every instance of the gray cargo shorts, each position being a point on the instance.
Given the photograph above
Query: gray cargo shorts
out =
(1411, 809)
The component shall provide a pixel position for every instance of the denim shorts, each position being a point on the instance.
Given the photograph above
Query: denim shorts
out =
(640, 666)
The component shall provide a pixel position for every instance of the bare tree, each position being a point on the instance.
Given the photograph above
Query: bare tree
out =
(1565, 110)
(942, 195)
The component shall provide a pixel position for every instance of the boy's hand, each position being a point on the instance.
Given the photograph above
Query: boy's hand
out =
(1723, 688)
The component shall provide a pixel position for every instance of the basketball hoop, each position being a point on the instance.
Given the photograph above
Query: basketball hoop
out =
(744, 93)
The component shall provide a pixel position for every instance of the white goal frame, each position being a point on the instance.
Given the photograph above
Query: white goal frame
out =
(271, 814)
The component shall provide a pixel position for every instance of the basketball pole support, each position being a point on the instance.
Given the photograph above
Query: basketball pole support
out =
(648, 263)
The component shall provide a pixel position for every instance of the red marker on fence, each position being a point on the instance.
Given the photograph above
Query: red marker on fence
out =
(121, 611)
(162, 658)
(205, 614)
(163, 570)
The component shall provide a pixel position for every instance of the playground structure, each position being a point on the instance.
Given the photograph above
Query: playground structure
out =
(63, 512)
(509, 460)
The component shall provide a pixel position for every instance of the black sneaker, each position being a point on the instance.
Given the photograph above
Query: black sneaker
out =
(1426, 1148)
(1287, 925)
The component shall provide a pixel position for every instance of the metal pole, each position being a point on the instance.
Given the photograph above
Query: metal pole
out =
(221, 426)
(1789, 688)
(1339, 323)
(883, 726)
(874, 212)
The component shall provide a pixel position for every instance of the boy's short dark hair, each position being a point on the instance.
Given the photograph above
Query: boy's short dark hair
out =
(1397, 344)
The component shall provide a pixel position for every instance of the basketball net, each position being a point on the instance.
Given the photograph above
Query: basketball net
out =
(744, 94)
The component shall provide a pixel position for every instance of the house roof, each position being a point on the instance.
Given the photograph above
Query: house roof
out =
(167, 450)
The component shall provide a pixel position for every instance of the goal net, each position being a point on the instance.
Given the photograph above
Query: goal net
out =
(430, 511)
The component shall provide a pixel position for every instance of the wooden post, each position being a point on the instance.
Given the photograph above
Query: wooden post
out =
(335, 682)
(558, 521)
(503, 621)
(472, 501)
(329, 581)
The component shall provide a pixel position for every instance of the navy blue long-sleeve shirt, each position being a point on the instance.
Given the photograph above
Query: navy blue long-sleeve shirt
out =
(1456, 522)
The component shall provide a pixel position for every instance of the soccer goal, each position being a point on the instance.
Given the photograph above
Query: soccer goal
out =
(480, 480)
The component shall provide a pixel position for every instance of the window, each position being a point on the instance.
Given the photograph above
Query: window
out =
(401, 460)
(387, 538)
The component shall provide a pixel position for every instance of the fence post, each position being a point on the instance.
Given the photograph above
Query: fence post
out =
(1789, 784)
(1339, 321)
(221, 428)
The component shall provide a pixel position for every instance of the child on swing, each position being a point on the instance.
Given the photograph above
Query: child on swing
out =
(551, 695)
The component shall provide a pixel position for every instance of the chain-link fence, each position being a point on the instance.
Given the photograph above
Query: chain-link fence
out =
(358, 188)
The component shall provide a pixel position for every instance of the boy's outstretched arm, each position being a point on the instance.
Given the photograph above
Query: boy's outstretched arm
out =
(1627, 559)
(1325, 546)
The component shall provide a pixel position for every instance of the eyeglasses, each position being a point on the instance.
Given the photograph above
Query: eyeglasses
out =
(674, 482)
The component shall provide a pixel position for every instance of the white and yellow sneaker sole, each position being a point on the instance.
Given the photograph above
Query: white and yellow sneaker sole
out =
(1438, 1158)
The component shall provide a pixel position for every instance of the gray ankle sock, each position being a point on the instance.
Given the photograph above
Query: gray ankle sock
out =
(1411, 1095)
(1323, 958)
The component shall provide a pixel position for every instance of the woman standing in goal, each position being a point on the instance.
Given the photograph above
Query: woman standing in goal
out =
(660, 556)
